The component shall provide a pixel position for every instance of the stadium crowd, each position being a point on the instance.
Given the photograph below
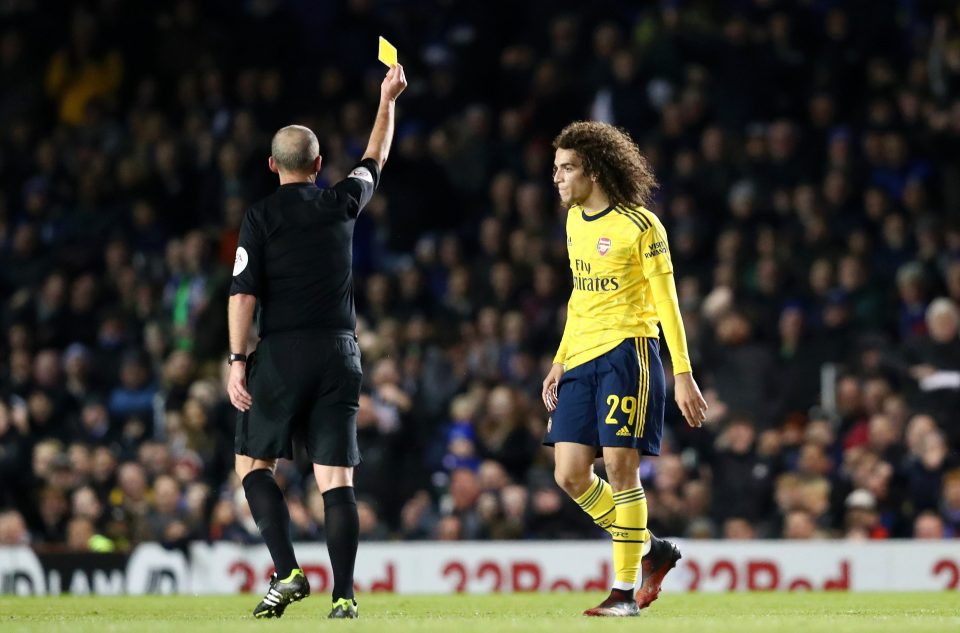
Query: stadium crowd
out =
(809, 160)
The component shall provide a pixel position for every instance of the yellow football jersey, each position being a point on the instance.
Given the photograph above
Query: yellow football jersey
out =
(612, 254)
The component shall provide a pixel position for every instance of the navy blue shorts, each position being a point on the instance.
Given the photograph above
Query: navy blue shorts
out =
(616, 399)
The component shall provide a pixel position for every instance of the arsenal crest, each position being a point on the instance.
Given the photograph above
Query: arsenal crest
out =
(603, 245)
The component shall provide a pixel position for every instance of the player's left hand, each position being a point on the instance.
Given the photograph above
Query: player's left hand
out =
(691, 402)
(237, 387)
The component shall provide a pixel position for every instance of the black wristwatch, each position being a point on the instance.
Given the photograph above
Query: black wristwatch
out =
(236, 357)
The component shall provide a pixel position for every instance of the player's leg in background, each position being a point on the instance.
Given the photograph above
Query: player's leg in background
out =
(659, 555)
(342, 525)
(629, 531)
(269, 510)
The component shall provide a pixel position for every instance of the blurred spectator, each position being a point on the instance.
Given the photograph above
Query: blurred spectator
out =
(131, 403)
(742, 369)
(503, 432)
(934, 360)
(925, 469)
(224, 525)
(129, 500)
(741, 477)
(83, 71)
(862, 516)
(799, 524)
(13, 529)
(79, 534)
(463, 494)
(738, 529)
(449, 529)
(812, 204)
(166, 522)
(86, 505)
(950, 504)
(417, 519)
(371, 529)
(928, 525)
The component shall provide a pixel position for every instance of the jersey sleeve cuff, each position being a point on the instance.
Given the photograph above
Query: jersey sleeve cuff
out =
(374, 168)
(682, 368)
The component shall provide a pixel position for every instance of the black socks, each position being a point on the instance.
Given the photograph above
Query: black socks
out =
(269, 510)
(343, 534)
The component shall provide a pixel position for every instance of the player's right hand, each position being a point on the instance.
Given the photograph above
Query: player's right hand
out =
(237, 387)
(393, 84)
(550, 386)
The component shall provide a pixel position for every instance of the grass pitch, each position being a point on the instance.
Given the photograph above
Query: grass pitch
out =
(553, 613)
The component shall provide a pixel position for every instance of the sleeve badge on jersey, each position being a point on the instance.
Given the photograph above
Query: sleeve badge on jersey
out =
(361, 173)
(240, 261)
(603, 245)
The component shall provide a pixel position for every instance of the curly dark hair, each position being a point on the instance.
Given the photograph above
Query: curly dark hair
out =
(613, 157)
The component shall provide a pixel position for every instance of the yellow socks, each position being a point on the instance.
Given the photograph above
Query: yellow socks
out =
(624, 516)
(597, 501)
(629, 533)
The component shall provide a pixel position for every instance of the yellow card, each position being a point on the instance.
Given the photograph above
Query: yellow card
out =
(388, 52)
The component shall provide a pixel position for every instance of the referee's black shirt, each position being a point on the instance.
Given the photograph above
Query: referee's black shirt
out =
(295, 253)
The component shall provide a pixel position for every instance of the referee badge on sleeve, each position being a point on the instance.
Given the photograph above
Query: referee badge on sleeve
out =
(240, 261)
(362, 173)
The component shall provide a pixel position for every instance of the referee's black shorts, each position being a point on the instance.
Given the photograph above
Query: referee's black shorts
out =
(304, 385)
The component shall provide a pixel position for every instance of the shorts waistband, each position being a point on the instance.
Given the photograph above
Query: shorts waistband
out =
(313, 333)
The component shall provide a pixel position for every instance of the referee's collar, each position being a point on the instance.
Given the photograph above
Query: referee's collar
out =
(291, 185)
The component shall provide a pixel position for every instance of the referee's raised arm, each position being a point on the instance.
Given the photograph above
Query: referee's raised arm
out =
(381, 136)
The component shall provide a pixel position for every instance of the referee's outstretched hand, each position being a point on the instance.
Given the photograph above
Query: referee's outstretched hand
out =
(393, 84)
(237, 387)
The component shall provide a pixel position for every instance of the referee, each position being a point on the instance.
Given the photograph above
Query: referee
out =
(303, 380)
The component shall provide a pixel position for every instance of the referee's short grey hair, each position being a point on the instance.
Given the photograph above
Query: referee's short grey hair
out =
(942, 306)
(294, 148)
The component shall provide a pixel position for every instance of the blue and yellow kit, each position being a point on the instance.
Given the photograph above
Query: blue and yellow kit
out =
(613, 390)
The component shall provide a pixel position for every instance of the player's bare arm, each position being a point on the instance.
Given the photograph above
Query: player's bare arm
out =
(381, 137)
(239, 317)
